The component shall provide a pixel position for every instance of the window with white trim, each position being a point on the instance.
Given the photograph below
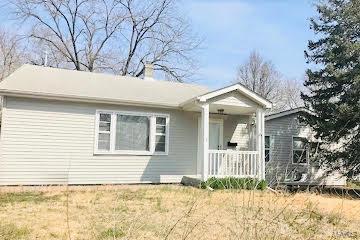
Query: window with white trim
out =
(131, 133)
(104, 132)
(300, 150)
(267, 148)
(160, 134)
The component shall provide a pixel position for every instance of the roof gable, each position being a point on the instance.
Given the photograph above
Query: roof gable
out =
(240, 89)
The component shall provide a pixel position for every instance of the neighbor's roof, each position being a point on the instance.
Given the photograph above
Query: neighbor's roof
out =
(54, 83)
(286, 113)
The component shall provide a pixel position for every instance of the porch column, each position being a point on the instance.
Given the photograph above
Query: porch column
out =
(260, 140)
(205, 140)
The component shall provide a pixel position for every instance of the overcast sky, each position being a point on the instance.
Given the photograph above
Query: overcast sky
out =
(277, 29)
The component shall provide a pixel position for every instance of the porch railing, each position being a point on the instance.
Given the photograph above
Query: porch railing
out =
(225, 163)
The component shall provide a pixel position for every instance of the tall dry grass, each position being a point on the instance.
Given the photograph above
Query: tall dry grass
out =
(173, 212)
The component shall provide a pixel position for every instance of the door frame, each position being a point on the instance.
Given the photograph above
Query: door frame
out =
(221, 138)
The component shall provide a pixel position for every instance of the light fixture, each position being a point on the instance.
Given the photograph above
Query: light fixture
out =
(220, 111)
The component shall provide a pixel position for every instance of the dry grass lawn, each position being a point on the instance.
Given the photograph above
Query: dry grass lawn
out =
(173, 212)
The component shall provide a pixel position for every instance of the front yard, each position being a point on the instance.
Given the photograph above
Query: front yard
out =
(172, 212)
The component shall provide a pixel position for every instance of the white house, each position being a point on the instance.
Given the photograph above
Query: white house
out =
(290, 149)
(61, 126)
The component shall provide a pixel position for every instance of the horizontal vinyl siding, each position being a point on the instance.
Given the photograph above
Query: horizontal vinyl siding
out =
(51, 142)
(281, 130)
(236, 130)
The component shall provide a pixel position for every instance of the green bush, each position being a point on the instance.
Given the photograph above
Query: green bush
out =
(234, 183)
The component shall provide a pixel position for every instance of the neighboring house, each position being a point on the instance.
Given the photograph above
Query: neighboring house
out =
(62, 126)
(288, 155)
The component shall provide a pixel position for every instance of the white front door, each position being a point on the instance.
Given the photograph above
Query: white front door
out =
(215, 134)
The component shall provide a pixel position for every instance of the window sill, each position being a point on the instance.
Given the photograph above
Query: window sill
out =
(131, 153)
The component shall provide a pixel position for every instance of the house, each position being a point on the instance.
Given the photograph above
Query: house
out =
(288, 152)
(62, 126)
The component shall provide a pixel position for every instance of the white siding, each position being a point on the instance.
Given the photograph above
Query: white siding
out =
(233, 99)
(237, 130)
(51, 142)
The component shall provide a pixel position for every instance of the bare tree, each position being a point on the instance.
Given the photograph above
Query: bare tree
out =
(11, 53)
(262, 77)
(78, 30)
(290, 95)
(157, 34)
(111, 35)
(259, 76)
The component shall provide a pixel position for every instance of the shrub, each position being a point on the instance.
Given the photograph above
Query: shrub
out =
(234, 183)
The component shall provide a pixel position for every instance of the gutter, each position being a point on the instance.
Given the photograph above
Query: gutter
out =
(83, 99)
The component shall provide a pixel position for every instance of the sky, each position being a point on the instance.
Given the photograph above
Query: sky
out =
(231, 29)
(277, 29)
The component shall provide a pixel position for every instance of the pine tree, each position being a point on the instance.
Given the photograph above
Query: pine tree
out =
(334, 83)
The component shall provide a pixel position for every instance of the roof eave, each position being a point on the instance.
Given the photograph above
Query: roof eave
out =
(83, 99)
(287, 113)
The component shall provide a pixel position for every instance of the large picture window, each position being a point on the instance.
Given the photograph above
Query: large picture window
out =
(300, 153)
(131, 133)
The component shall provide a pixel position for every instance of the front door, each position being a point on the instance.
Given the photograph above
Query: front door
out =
(215, 134)
(215, 139)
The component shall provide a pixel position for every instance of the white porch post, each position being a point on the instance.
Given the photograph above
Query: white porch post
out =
(260, 140)
(205, 140)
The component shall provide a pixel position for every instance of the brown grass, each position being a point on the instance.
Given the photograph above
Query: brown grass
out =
(173, 212)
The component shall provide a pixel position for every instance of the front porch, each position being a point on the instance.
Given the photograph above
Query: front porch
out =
(242, 154)
(233, 163)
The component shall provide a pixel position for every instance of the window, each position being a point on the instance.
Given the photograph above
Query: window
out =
(104, 132)
(300, 154)
(267, 148)
(160, 135)
(131, 133)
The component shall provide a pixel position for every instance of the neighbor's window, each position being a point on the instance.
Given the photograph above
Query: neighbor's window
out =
(132, 133)
(267, 148)
(300, 154)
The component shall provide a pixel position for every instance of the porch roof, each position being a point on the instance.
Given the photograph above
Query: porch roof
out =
(232, 99)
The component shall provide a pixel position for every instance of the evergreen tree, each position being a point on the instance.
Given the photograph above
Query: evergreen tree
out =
(334, 83)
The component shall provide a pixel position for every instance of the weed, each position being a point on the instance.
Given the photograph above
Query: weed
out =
(16, 197)
(234, 183)
(334, 219)
(111, 233)
(11, 232)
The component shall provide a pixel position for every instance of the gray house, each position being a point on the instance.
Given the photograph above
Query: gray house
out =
(61, 126)
(288, 154)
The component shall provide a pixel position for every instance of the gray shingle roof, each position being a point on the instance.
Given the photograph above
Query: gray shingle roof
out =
(49, 82)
